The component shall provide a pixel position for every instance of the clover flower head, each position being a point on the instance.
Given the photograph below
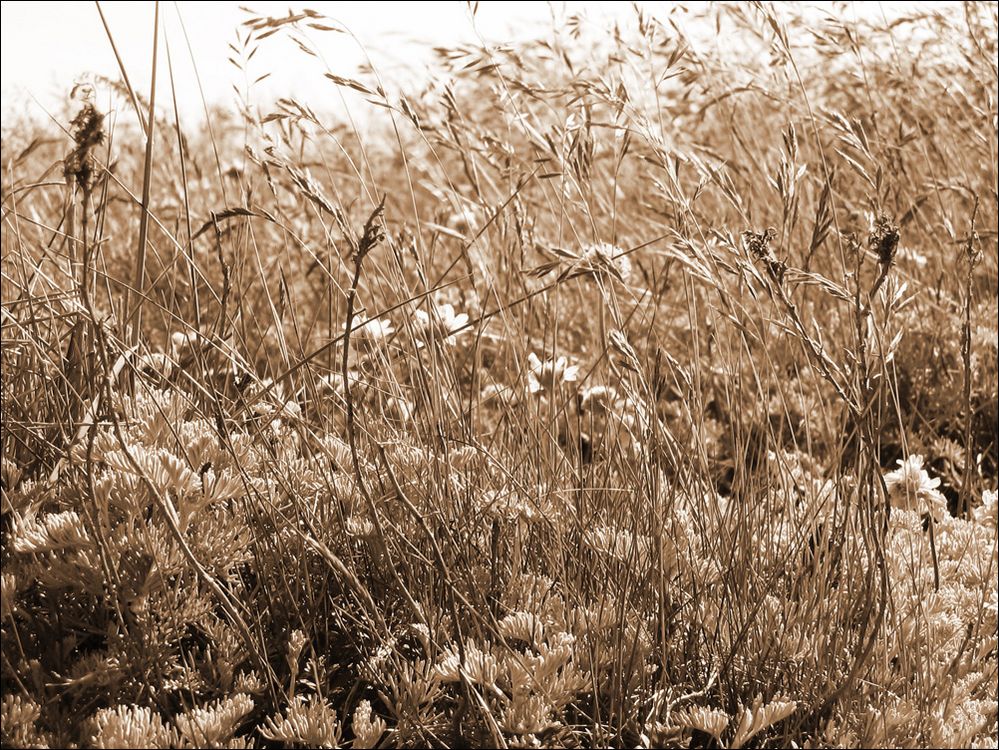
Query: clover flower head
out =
(360, 527)
(367, 731)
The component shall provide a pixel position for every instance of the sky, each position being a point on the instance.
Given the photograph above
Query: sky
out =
(47, 46)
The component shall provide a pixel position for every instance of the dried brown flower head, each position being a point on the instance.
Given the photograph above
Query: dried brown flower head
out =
(883, 239)
(87, 129)
(757, 244)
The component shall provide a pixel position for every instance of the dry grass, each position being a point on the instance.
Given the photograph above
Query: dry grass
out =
(614, 390)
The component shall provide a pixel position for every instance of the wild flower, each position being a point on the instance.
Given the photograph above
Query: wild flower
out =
(10, 473)
(442, 325)
(987, 513)
(910, 488)
(522, 626)
(759, 717)
(56, 531)
(378, 664)
(18, 716)
(308, 721)
(296, 642)
(621, 545)
(332, 383)
(597, 399)
(598, 261)
(178, 572)
(507, 505)
(399, 409)
(214, 725)
(593, 620)
(527, 714)
(373, 333)
(607, 418)
(360, 527)
(536, 594)
(500, 395)
(277, 404)
(131, 726)
(183, 342)
(223, 486)
(548, 375)
(711, 721)
(480, 667)
(604, 259)
(367, 731)
(157, 362)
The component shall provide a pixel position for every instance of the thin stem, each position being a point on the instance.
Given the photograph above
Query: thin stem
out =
(134, 315)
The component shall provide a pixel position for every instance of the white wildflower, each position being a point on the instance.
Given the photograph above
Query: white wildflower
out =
(604, 258)
(399, 409)
(443, 325)
(917, 258)
(527, 715)
(910, 488)
(598, 399)
(507, 506)
(374, 332)
(987, 513)
(545, 376)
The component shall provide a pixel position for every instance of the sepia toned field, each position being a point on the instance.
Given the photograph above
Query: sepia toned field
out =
(613, 389)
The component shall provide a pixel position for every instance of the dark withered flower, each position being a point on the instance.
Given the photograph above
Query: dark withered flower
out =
(87, 129)
(757, 244)
(883, 239)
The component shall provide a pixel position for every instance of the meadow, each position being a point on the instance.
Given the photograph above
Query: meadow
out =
(613, 389)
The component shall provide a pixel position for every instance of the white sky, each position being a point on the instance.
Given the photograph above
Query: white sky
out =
(46, 46)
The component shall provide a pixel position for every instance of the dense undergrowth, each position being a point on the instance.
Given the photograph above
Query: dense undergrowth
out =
(616, 389)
